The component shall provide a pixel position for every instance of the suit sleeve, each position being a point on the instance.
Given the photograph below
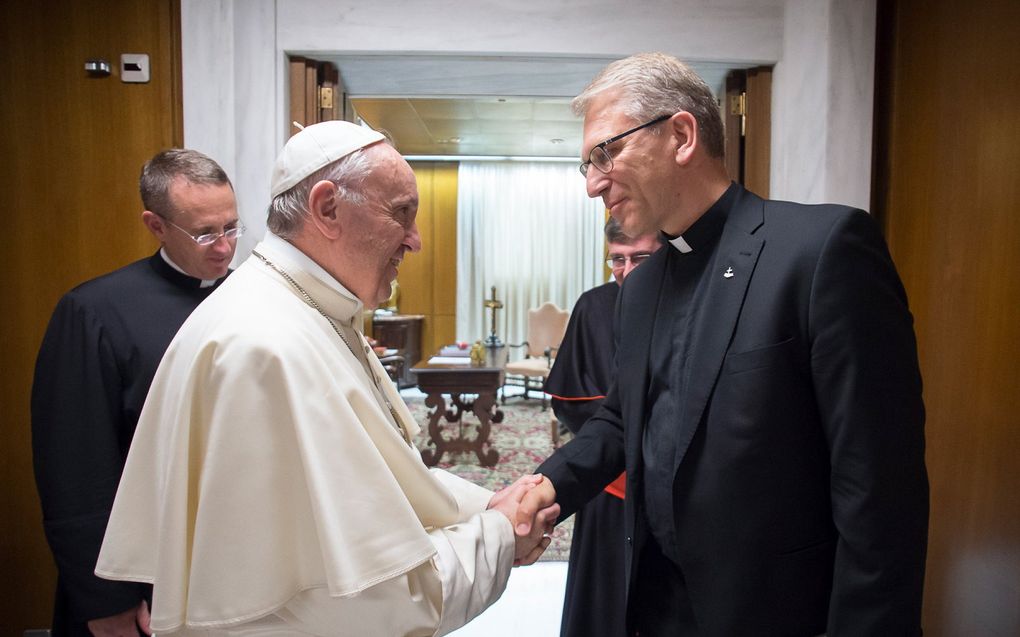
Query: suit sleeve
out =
(868, 387)
(580, 469)
(574, 413)
(78, 456)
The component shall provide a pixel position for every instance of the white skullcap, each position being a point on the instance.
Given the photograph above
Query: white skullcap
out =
(315, 147)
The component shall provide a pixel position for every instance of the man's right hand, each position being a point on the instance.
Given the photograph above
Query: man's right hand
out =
(534, 519)
(126, 624)
(532, 544)
(534, 509)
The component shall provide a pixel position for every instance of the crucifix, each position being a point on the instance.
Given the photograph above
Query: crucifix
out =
(493, 305)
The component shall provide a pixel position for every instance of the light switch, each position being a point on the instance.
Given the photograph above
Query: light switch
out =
(134, 67)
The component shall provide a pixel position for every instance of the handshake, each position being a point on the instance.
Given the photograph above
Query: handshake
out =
(530, 505)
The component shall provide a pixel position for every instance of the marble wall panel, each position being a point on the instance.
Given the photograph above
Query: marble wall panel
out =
(232, 98)
(822, 103)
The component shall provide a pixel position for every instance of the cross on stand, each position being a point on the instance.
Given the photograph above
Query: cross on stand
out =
(493, 304)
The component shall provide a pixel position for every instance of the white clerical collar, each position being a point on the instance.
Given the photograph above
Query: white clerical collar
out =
(166, 257)
(306, 263)
(681, 245)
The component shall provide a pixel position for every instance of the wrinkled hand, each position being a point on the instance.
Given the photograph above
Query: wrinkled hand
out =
(531, 544)
(124, 624)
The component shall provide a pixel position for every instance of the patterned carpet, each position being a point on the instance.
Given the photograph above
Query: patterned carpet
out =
(523, 441)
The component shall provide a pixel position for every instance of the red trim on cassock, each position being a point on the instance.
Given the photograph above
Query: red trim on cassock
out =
(577, 398)
(618, 487)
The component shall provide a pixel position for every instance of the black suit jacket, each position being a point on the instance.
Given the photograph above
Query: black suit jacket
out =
(800, 492)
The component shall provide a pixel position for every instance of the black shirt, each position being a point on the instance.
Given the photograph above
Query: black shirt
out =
(681, 287)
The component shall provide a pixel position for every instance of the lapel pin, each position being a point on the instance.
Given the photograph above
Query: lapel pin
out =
(728, 273)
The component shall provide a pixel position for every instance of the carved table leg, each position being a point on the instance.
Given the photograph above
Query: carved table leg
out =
(484, 410)
(429, 456)
(483, 407)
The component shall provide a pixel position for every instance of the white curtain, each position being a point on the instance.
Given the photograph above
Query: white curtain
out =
(529, 229)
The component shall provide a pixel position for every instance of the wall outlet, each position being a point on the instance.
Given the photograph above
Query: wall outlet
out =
(134, 67)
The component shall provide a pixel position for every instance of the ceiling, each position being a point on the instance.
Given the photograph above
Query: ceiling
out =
(440, 105)
(505, 126)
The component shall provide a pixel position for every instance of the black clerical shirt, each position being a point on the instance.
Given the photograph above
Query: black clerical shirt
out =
(679, 293)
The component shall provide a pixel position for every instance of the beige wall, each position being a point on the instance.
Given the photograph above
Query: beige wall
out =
(428, 279)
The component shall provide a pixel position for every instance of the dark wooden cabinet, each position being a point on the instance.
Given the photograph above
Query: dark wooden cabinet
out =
(401, 332)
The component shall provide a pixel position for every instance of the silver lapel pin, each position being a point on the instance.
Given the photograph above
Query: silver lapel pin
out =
(728, 273)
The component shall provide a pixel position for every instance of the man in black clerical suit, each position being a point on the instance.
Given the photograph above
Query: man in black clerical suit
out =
(97, 359)
(594, 603)
(767, 404)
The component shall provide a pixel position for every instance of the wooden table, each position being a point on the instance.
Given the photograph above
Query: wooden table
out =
(471, 390)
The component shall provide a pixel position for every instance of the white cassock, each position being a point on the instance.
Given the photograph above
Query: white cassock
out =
(268, 489)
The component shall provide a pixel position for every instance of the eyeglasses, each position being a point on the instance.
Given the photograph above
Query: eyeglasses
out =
(619, 261)
(599, 157)
(212, 237)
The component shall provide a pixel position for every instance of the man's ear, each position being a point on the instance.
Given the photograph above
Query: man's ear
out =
(155, 224)
(324, 208)
(684, 128)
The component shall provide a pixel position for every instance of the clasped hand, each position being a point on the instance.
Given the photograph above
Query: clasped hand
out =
(533, 541)
(124, 624)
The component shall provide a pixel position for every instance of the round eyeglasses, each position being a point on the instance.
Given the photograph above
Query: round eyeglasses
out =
(212, 237)
(599, 157)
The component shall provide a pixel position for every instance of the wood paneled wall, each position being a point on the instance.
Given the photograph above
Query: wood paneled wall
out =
(428, 279)
(948, 194)
(71, 149)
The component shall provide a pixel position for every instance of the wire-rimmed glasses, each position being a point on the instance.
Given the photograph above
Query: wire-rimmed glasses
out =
(599, 157)
(211, 237)
(619, 261)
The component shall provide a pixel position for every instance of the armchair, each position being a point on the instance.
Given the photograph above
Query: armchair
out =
(546, 326)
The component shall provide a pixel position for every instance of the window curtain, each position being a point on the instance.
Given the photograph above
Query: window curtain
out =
(529, 229)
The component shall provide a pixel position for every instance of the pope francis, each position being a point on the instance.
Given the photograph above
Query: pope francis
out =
(271, 487)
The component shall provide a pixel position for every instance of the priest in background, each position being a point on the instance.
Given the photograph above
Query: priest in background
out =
(94, 368)
(272, 487)
(594, 603)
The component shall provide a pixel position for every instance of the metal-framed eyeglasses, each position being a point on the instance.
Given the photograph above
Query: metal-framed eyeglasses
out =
(619, 261)
(600, 158)
(211, 237)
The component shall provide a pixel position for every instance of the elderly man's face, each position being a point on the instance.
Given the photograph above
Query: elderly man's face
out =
(625, 254)
(634, 190)
(198, 209)
(384, 226)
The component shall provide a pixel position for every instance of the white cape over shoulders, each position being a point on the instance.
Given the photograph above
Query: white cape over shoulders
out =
(263, 464)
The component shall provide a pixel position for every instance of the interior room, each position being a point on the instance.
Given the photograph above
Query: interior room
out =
(900, 108)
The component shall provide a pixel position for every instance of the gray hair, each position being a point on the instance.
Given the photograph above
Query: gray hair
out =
(289, 209)
(160, 172)
(654, 84)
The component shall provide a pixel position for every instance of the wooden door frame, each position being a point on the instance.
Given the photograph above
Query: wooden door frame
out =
(747, 115)
(315, 93)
